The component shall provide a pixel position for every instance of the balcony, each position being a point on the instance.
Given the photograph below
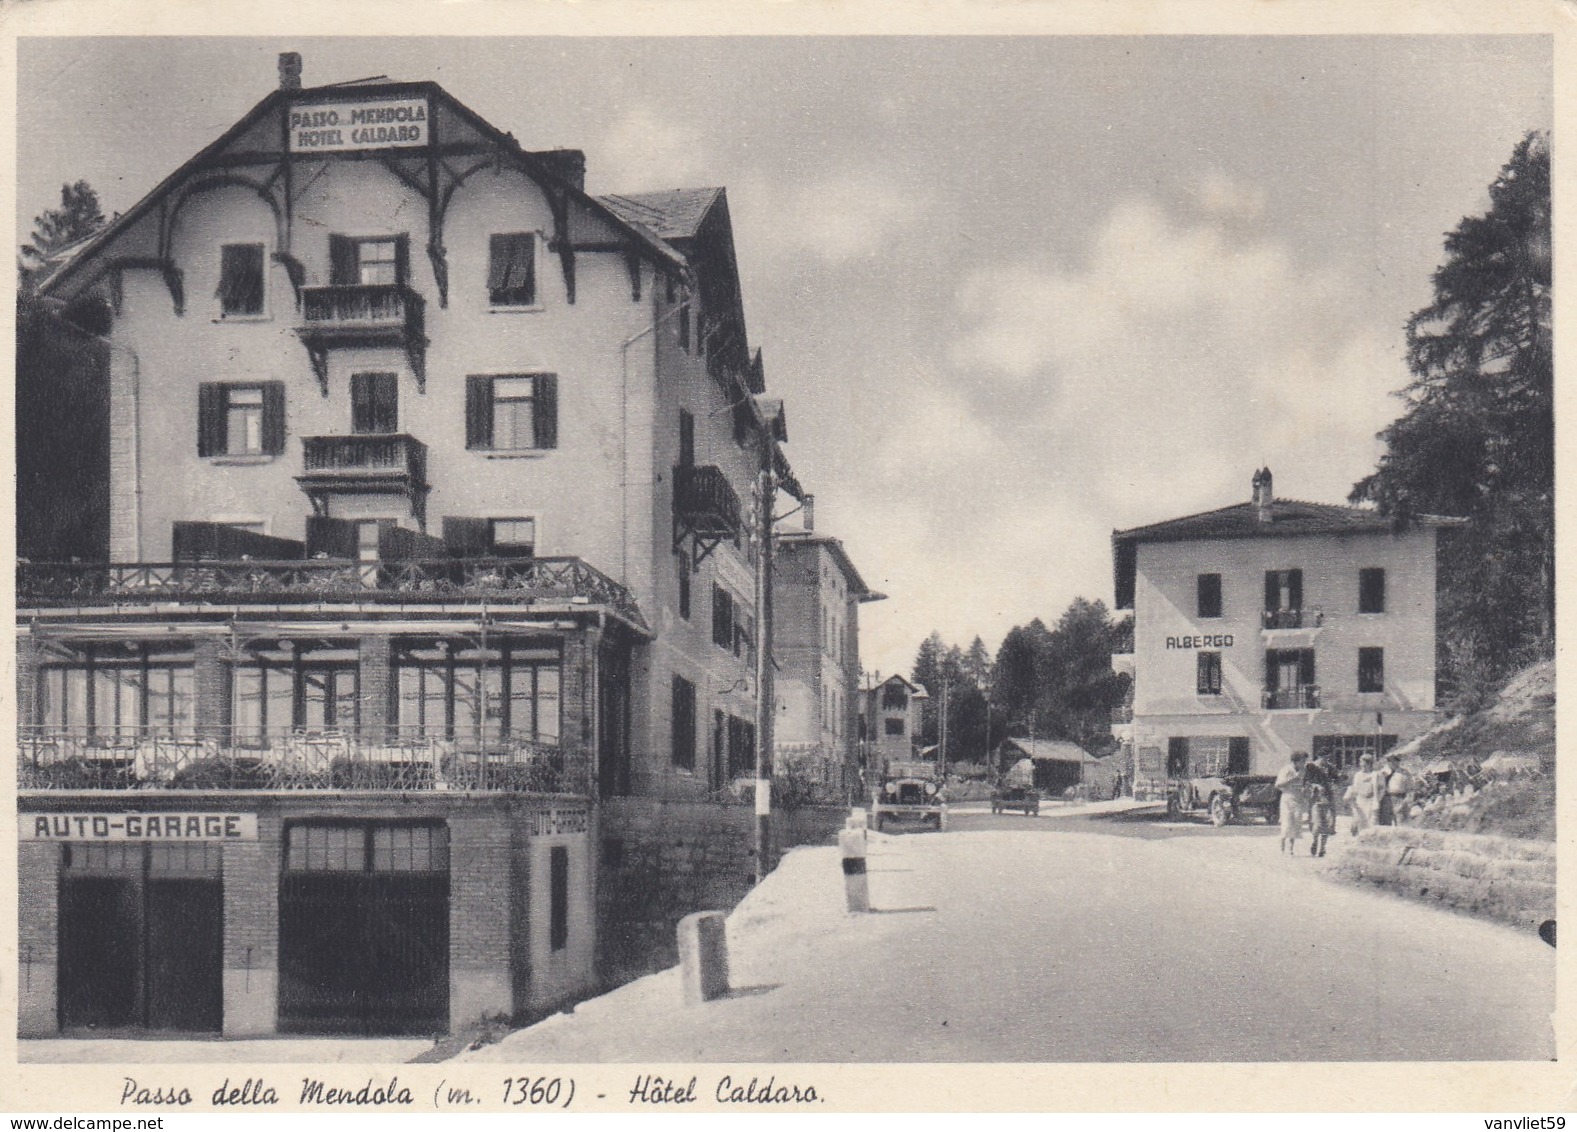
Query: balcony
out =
(363, 314)
(512, 581)
(706, 507)
(1273, 619)
(71, 759)
(1305, 697)
(390, 462)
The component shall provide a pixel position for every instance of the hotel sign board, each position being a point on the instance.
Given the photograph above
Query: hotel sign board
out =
(343, 127)
(168, 827)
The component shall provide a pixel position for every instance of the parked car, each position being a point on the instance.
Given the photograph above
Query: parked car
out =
(1227, 798)
(1022, 798)
(910, 794)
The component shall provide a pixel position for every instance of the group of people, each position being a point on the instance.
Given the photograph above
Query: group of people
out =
(1308, 796)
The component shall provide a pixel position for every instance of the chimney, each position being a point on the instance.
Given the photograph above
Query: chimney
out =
(567, 163)
(1264, 495)
(290, 70)
(808, 513)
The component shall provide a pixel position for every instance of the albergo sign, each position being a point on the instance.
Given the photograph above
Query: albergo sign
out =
(338, 127)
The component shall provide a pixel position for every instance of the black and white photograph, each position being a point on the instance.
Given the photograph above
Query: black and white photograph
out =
(610, 572)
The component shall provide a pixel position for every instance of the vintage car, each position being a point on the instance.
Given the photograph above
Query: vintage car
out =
(1227, 797)
(1022, 798)
(910, 793)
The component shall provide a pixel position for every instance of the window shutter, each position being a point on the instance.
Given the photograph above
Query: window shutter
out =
(466, 537)
(342, 261)
(478, 411)
(1237, 755)
(211, 404)
(273, 417)
(1272, 591)
(546, 394)
(402, 259)
(1272, 670)
(498, 248)
(361, 410)
(1295, 588)
(1306, 667)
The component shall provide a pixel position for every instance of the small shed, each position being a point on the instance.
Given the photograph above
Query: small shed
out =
(1056, 763)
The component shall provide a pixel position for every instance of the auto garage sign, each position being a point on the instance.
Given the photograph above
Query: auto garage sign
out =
(338, 127)
(204, 825)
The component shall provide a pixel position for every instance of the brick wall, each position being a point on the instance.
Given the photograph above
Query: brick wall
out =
(480, 924)
(376, 676)
(208, 676)
(661, 860)
(38, 868)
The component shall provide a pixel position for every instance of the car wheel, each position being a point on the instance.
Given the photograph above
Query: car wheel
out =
(1220, 812)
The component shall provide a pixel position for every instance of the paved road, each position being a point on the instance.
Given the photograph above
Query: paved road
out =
(1042, 940)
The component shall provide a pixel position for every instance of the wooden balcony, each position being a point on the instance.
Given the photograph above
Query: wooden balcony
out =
(509, 581)
(706, 507)
(363, 314)
(51, 759)
(387, 463)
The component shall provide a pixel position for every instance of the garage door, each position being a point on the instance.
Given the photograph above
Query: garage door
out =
(364, 929)
(141, 933)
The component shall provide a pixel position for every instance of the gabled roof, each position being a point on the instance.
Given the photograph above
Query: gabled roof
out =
(674, 214)
(534, 165)
(1050, 750)
(1288, 517)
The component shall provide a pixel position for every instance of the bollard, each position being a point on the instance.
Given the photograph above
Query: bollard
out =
(856, 889)
(703, 957)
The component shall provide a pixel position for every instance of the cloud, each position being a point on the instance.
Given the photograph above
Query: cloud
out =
(647, 150)
(842, 215)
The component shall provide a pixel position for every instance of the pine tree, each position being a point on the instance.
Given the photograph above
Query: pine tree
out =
(78, 217)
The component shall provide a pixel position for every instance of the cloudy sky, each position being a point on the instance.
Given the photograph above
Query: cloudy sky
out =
(1018, 292)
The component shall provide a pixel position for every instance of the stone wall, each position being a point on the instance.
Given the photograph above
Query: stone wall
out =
(661, 860)
(1501, 878)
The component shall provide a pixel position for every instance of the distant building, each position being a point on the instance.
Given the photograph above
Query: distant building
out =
(1274, 626)
(892, 711)
(1056, 764)
(817, 594)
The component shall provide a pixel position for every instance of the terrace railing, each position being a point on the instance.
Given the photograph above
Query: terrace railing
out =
(507, 580)
(1305, 696)
(1292, 619)
(73, 759)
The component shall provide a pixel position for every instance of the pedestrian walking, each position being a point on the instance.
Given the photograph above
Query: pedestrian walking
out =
(1396, 791)
(1363, 795)
(1289, 780)
(1319, 782)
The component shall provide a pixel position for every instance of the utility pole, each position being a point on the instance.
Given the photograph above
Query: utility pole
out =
(941, 748)
(766, 495)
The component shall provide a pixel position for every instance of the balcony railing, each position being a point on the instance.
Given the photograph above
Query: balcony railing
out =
(1292, 619)
(705, 502)
(363, 314)
(379, 454)
(71, 759)
(1287, 699)
(522, 581)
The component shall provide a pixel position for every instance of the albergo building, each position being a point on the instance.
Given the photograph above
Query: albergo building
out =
(424, 475)
(1270, 627)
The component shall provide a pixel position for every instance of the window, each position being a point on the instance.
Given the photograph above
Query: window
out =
(451, 690)
(741, 747)
(279, 688)
(558, 897)
(684, 327)
(1209, 586)
(356, 847)
(893, 726)
(894, 695)
(722, 618)
(368, 261)
(374, 403)
(686, 439)
(683, 723)
(1289, 679)
(1371, 589)
(1208, 682)
(1283, 590)
(512, 270)
(119, 692)
(241, 280)
(241, 420)
(511, 413)
(1344, 751)
(1371, 670)
(513, 538)
(684, 584)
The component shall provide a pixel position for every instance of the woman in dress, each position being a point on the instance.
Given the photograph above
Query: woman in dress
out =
(1364, 795)
(1289, 780)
